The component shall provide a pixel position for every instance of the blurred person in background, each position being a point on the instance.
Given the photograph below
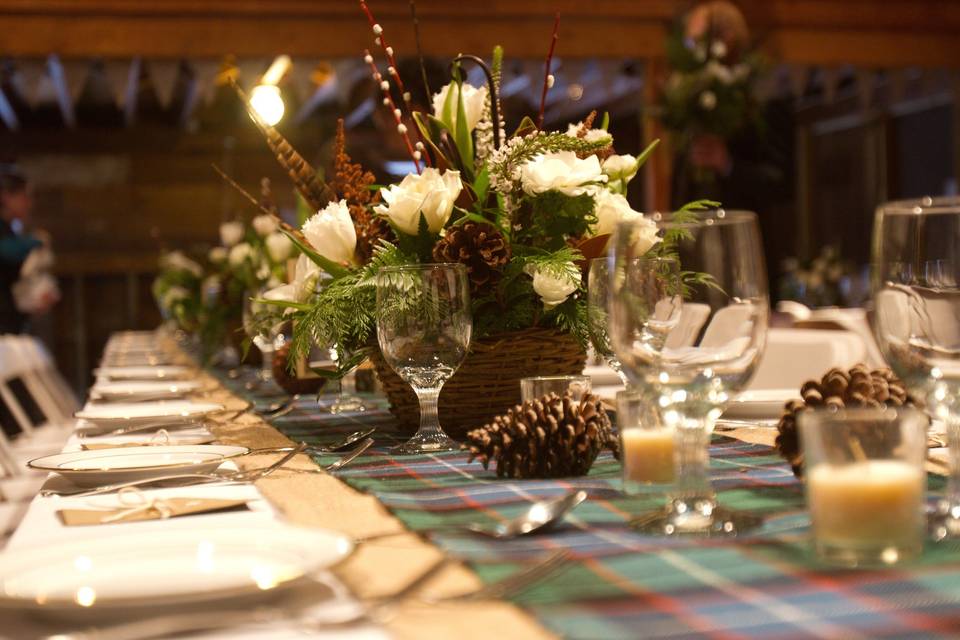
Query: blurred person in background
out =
(26, 286)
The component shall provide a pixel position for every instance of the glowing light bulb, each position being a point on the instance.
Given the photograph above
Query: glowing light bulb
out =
(268, 104)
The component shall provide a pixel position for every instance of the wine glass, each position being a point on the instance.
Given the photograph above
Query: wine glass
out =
(598, 291)
(423, 328)
(691, 357)
(258, 323)
(916, 317)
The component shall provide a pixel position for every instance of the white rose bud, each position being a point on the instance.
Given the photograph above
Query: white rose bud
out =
(279, 246)
(217, 255)
(708, 100)
(431, 193)
(612, 208)
(561, 171)
(592, 135)
(473, 100)
(264, 225)
(231, 233)
(174, 295)
(620, 167)
(177, 261)
(331, 232)
(554, 288)
(239, 254)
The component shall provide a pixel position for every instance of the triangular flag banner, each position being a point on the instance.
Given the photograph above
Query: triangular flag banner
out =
(118, 77)
(301, 77)
(76, 73)
(30, 74)
(164, 75)
(251, 69)
(205, 74)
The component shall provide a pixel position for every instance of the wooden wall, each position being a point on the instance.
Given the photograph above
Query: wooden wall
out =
(111, 198)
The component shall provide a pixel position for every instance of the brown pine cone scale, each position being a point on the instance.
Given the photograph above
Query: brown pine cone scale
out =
(481, 247)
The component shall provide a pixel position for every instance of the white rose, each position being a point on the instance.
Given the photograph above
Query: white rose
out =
(644, 233)
(612, 208)
(331, 232)
(217, 255)
(561, 171)
(718, 49)
(177, 261)
(720, 71)
(429, 193)
(174, 295)
(473, 101)
(592, 135)
(708, 100)
(619, 167)
(279, 246)
(231, 233)
(552, 287)
(239, 254)
(304, 283)
(264, 225)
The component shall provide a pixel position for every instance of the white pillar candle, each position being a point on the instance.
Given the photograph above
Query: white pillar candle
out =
(868, 504)
(648, 455)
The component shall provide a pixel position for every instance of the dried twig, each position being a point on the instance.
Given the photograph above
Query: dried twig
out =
(415, 154)
(547, 76)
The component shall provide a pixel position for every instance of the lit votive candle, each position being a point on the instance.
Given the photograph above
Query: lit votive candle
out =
(865, 484)
(873, 505)
(647, 455)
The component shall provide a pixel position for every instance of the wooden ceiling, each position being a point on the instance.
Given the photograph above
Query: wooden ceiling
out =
(872, 33)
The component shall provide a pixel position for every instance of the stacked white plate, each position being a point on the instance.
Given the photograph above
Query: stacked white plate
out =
(143, 389)
(140, 413)
(166, 372)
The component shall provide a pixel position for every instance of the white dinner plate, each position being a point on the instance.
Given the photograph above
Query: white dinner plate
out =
(760, 404)
(168, 372)
(134, 389)
(134, 413)
(141, 571)
(97, 467)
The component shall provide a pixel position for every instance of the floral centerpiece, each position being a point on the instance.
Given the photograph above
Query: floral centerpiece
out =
(523, 212)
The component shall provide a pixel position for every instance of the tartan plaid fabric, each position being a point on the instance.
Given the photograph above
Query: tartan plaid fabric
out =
(628, 585)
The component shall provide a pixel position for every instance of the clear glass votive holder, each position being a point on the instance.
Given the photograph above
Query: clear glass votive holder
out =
(646, 445)
(539, 386)
(865, 483)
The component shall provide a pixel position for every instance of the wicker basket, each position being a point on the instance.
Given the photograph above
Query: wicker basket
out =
(488, 381)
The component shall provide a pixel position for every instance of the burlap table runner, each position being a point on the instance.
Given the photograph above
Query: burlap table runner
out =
(378, 567)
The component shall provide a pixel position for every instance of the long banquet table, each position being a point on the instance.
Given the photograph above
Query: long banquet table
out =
(621, 584)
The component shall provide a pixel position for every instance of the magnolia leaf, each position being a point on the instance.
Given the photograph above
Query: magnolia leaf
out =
(430, 130)
(481, 185)
(462, 135)
(605, 123)
(646, 153)
(331, 267)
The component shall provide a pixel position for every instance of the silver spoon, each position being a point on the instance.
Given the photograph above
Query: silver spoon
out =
(279, 409)
(540, 516)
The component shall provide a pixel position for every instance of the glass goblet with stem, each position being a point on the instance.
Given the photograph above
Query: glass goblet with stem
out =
(259, 323)
(690, 359)
(916, 318)
(424, 325)
(598, 292)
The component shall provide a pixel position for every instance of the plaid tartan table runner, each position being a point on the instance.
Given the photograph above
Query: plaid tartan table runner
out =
(628, 585)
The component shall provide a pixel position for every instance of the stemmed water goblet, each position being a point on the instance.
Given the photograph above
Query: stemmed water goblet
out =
(424, 325)
(598, 292)
(690, 343)
(916, 318)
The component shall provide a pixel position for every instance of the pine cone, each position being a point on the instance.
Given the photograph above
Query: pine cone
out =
(371, 229)
(857, 388)
(549, 437)
(480, 247)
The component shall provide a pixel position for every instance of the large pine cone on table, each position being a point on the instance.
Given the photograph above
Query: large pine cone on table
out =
(860, 387)
(480, 247)
(550, 437)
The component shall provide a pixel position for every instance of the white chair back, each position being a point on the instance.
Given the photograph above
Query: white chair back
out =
(794, 356)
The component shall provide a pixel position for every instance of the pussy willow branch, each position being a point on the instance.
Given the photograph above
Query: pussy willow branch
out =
(388, 101)
(546, 70)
